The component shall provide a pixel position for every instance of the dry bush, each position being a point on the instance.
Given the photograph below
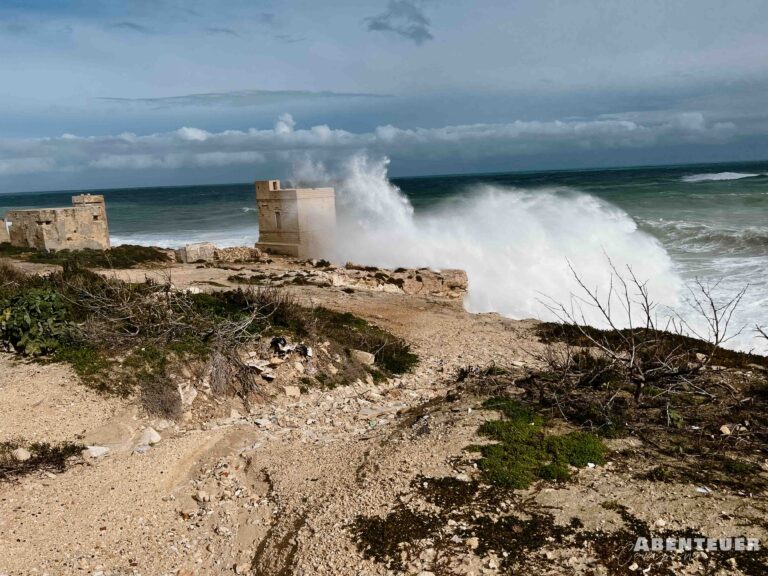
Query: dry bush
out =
(647, 351)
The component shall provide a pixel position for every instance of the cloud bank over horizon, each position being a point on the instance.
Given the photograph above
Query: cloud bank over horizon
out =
(279, 147)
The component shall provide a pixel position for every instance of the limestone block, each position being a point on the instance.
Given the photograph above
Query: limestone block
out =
(202, 251)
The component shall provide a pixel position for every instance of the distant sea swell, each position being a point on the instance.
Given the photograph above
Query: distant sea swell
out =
(718, 176)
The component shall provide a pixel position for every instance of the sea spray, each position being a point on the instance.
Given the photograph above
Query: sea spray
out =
(515, 245)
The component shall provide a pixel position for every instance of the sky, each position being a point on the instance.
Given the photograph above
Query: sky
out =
(105, 93)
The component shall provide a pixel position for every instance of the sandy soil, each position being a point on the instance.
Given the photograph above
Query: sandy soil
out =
(277, 491)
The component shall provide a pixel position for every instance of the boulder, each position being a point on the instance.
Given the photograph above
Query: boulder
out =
(292, 391)
(237, 254)
(94, 452)
(363, 357)
(202, 496)
(21, 455)
(150, 437)
(200, 252)
(187, 393)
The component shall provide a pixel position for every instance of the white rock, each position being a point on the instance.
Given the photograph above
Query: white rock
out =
(163, 424)
(661, 523)
(292, 391)
(94, 452)
(188, 394)
(725, 430)
(150, 437)
(363, 357)
(21, 455)
(202, 496)
(258, 365)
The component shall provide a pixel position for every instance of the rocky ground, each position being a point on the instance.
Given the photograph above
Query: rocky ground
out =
(370, 478)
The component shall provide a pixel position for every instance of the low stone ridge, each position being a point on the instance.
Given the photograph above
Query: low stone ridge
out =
(446, 284)
(238, 254)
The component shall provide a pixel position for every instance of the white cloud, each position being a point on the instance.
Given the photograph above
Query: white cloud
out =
(190, 147)
(26, 165)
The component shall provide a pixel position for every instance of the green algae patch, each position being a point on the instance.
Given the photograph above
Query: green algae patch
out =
(524, 452)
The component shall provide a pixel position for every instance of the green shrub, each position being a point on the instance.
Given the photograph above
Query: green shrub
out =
(35, 322)
(391, 353)
(124, 256)
(524, 453)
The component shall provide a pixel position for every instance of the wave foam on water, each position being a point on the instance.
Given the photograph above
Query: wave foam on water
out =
(717, 177)
(222, 238)
(697, 237)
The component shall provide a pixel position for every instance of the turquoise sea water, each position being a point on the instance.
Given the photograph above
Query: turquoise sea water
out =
(711, 220)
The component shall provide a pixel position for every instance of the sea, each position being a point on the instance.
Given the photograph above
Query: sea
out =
(533, 243)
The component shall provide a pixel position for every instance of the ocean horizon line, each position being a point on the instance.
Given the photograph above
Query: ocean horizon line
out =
(628, 168)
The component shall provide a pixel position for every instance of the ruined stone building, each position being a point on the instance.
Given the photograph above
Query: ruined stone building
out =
(84, 225)
(4, 236)
(297, 222)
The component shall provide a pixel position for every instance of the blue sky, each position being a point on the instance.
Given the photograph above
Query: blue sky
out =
(102, 93)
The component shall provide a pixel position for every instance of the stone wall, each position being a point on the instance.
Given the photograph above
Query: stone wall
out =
(82, 226)
(4, 236)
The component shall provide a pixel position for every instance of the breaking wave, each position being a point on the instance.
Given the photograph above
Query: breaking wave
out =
(717, 177)
(514, 244)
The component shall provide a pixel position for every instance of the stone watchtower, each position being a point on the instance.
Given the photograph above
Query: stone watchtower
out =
(297, 222)
(84, 225)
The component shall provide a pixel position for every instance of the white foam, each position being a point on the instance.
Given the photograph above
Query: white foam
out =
(222, 238)
(515, 245)
(717, 176)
